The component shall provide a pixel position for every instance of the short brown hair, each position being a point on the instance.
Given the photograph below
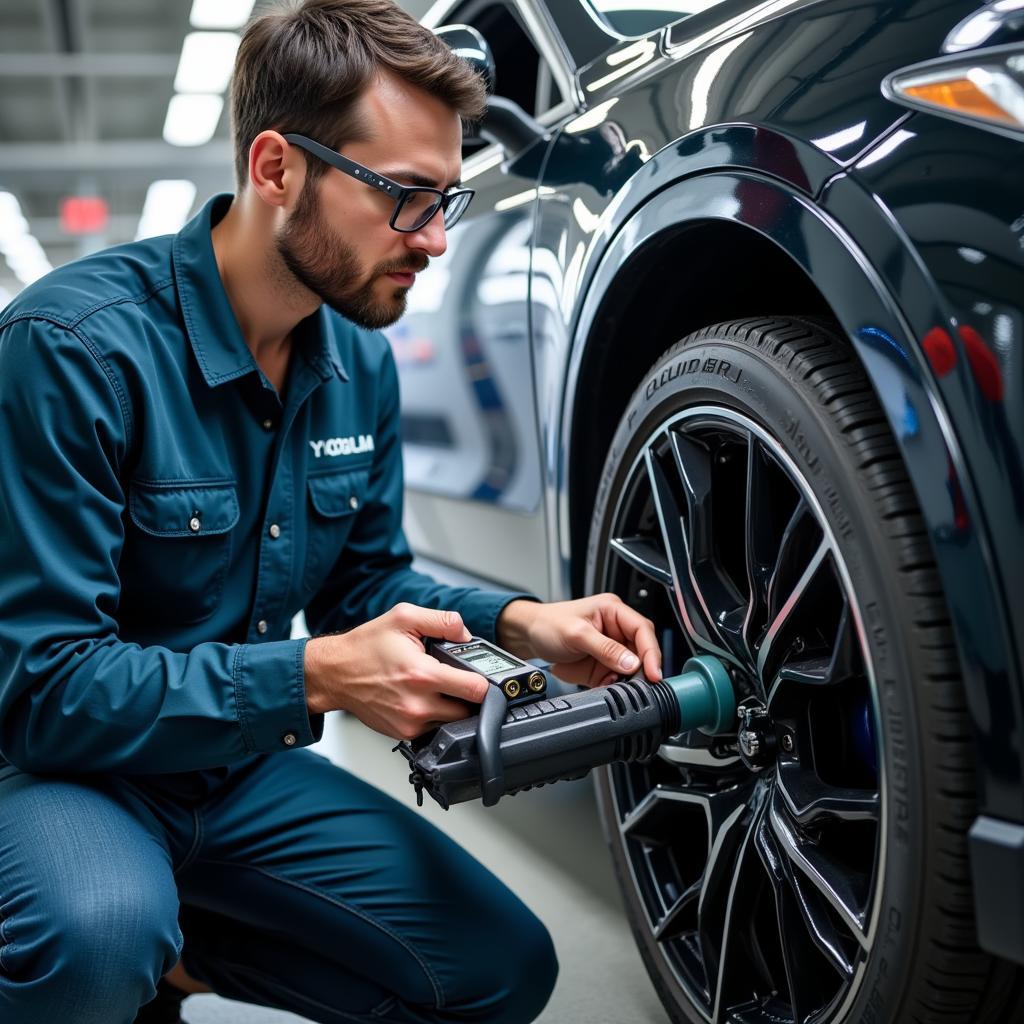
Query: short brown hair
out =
(303, 69)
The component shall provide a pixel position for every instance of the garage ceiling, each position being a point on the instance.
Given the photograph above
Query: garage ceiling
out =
(84, 92)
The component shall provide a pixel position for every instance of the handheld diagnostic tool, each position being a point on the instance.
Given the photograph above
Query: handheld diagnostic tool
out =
(523, 738)
(515, 678)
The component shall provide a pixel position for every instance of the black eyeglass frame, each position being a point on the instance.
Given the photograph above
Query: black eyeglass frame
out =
(398, 192)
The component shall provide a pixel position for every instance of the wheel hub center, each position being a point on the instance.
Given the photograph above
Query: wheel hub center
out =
(755, 738)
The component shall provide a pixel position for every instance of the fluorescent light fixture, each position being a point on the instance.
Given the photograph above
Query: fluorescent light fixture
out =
(192, 119)
(21, 250)
(167, 206)
(206, 62)
(220, 13)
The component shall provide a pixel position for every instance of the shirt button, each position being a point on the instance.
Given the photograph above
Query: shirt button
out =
(353, 502)
(261, 626)
(194, 525)
(289, 739)
(268, 424)
(275, 531)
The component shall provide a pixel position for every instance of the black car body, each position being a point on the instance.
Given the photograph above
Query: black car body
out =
(674, 171)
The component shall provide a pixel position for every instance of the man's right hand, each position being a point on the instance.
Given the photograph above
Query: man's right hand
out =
(381, 673)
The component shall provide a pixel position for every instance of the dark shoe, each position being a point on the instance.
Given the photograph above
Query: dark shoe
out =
(165, 1008)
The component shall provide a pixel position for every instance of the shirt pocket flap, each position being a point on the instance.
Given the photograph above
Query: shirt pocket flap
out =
(192, 509)
(339, 494)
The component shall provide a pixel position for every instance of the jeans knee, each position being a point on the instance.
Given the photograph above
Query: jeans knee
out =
(89, 956)
(535, 975)
(514, 982)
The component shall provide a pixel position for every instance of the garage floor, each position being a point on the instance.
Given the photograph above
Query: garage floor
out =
(548, 847)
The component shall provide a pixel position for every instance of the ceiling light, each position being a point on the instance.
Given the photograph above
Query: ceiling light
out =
(206, 61)
(167, 207)
(192, 119)
(21, 250)
(220, 13)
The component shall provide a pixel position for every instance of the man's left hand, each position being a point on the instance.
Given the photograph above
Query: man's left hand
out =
(591, 641)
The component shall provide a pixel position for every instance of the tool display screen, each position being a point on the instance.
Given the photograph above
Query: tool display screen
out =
(486, 661)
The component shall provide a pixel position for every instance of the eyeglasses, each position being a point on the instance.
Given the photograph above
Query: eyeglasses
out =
(414, 205)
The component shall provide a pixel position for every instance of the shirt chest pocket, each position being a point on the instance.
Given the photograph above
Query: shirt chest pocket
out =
(335, 500)
(178, 540)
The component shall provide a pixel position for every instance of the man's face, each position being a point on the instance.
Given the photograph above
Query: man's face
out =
(337, 240)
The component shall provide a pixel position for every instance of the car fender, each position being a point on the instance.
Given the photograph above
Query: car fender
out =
(888, 344)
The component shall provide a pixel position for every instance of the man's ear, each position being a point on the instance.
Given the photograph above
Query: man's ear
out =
(277, 170)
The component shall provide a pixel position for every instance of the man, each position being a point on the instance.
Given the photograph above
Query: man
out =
(199, 437)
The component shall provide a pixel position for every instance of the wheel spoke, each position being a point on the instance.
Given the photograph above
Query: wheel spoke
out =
(723, 606)
(643, 556)
(810, 801)
(679, 917)
(726, 986)
(781, 615)
(691, 612)
(828, 669)
(760, 546)
(645, 821)
(803, 931)
(696, 757)
(833, 882)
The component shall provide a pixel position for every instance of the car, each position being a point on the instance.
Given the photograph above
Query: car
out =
(734, 329)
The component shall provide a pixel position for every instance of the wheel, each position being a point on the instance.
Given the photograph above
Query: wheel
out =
(808, 866)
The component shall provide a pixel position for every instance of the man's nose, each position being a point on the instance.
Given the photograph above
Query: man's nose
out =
(431, 237)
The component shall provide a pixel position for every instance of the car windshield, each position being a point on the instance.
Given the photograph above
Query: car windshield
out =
(638, 17)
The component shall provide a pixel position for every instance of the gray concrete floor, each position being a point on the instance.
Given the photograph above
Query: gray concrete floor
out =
(547, 846)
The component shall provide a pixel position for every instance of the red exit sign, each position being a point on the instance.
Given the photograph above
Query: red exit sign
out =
(84, 215)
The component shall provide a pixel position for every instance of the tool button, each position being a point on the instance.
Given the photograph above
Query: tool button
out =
(289, 739)
(353, 502)
(261, 626)
(194, 525)
(275, 531)
(268, 424)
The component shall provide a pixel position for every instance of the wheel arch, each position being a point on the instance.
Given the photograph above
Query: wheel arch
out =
(807, 264)
(648, 287)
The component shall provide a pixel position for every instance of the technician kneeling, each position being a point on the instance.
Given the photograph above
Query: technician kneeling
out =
(198, 438)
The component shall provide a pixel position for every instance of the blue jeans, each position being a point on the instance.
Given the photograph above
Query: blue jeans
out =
(291, 884)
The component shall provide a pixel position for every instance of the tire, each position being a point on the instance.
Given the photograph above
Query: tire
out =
(754, 506)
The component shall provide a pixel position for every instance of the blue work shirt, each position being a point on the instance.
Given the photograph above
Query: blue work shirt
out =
(164, 513)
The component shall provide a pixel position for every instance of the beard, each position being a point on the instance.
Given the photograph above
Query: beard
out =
(328, 266)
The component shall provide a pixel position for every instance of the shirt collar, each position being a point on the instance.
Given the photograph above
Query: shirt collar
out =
(216, 338)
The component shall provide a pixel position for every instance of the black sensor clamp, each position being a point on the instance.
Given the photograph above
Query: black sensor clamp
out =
(535, 740)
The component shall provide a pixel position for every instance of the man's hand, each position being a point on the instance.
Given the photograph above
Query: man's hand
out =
(591, 641)
(381, 672)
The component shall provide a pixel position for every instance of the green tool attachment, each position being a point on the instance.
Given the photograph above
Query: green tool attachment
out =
(705, 695)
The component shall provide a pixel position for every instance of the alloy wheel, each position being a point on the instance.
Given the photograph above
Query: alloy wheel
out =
(756, 854)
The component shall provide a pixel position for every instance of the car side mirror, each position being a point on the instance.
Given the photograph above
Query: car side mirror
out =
(465, 42)
(505, 122)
